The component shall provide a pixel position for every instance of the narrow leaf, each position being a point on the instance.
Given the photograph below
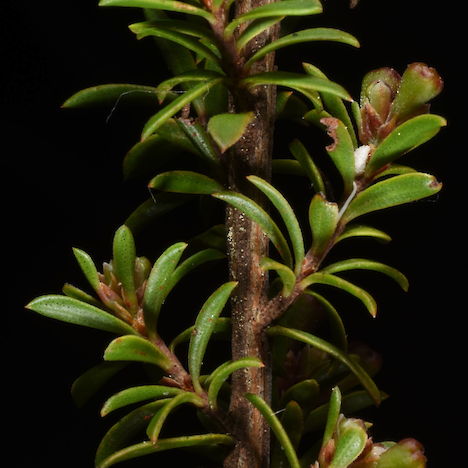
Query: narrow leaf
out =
(133, 395)
(147, 448)
(364, 264)
(360, 230)
(200, 140)
(323, 220)
(222, 373)
(304, 392)
(158, 287)
(295, 81)
(306, 35)
(328, 348)
(125, 430)
(88, 383)
(341, 151)
(158, 420)
(111, 95)
(124, 255)
(288, 167)
(351, 442)
(227, 129)
(204, 327)
(87, 267)
(191, 28)
(394, 169)
(287, 276)
(277, 429)
(288, 216)
(72, 291)
(175, 106)
(185, 182)
(299, 151)
(170, 5)
(68, 309)
(335, 281)
(334, 408)
(281, 8)
(136, 348)
(255, 28)
(222, 327)
(261, 217)
(404, 138)
(397, 190)
(333, 104)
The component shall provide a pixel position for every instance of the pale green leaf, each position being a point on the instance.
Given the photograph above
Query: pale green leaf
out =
(133, 395)
(136, 348)
(305, 35)
(255, 28)
(185, 182)
(87, 267)
(288, 216)
(360, 230)
(204, 327)
(397, 190)
(261, 217)
(227, 129)
(68, 309)
(334, 408)
(323, 220)
(287, 276)
(72, 291)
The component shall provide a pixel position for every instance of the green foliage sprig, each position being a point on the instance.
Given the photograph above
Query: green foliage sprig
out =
(204, 44)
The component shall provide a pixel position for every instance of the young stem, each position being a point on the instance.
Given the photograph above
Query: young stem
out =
(246, 246)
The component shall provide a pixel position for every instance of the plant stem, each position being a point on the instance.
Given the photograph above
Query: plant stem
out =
(247, 245)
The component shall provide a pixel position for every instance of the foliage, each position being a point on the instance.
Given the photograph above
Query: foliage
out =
(204, 45)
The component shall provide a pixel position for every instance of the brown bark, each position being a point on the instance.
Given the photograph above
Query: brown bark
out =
(247, 245)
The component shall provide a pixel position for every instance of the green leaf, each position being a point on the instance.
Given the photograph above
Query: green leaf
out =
(333, 351)
(204, 327)
(305, 393)
(87, 267)
(175, 106)
(323, 220)
(276, 427)
(169, 5)
(147, 448)
(341, 151)
(337, 329)
(261, 217)
(191, 28)
(332, 103)
(360, 230)
(255, 28)
(191, 76)
(124, 255)
(294, 108)
(125, 430)
(158, 287)
(287, 276)
(158, 420)
(111, 94)
(306, 35)
(351, 403)
(227, 129)
(394, 169)
(295, 81)
(281, 8)
(334, 408)
(143, 30)
(335, 281)
(72, 291)
(404, 138)
(287, 167)
(88, 383)
(153, 208)
(364, 264)
(136, 348)
(185, 182)
(133, 395)
(201, 140)
(351, 442)
(299, 151)
(397, 190)
(406, 454)
(222, 373)
(68, 309)
(222, 326)
(288, 216)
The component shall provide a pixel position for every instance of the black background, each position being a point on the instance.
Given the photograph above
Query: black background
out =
(63, 187)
